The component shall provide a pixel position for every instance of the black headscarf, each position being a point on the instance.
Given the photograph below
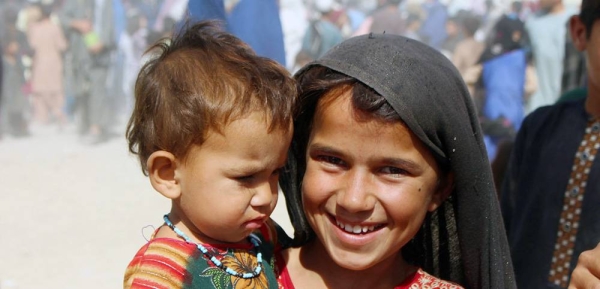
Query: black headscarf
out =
(464, 240)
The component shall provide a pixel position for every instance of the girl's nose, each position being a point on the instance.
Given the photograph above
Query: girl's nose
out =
(356, 193)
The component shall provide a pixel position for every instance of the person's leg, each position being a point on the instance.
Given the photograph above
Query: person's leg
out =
(56, 102)
(82, 113)
(98, 107)
(40, 107)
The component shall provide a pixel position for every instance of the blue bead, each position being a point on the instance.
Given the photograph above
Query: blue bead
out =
(253, 239)
(230, 271)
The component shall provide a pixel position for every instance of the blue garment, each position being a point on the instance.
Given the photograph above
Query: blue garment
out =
(504, 82)
(206, 10)
(547, 34)
(257, 23)
(120, 18)
(320, 36)
(356, 18)
(433, 30)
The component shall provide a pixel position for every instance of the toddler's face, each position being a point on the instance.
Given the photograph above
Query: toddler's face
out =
(229, 183)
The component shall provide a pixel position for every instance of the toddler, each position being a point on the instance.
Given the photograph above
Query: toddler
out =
(211, 126)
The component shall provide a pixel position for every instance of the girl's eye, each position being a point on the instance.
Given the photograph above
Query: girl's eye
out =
(394, 172)
(331, 160)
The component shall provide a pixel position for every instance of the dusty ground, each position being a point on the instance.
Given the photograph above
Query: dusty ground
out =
(72, 215)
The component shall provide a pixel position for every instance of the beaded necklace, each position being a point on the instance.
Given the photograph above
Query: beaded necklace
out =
(253, 239)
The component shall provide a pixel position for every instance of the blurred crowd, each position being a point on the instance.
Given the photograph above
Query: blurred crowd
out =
(75, 61)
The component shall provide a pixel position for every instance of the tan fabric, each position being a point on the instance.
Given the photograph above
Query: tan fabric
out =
(48, 41)
(467, 54)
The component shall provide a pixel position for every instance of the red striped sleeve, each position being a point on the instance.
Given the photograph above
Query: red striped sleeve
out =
(160, 264)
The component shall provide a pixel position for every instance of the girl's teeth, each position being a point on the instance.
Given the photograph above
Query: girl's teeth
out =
(348, 228)
(355, 229)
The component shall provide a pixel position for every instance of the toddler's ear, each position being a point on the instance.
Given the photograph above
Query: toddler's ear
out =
(161, 171)
(443, 191)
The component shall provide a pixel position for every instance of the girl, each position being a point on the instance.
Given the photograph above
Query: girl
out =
(388, 184)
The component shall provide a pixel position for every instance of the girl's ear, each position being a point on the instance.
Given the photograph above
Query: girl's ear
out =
(444, 190)
(578, 33)
(161, 171)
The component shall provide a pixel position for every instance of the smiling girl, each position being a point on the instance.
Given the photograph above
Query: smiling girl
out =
(388, 184)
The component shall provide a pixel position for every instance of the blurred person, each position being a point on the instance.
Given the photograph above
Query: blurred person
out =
(211, 127)
(388, 18)
(493, 13)
(90, 31)
(150, 8)
(340, 18)
(574, 70)
(477, 7)
(13, 101)
(468, 51)
(48, 42)
(547, 32)
(258, 24)
(321, 34)
(207, 10)
(170, 9)
(454, 36)
(294, 22)
(413, 24)
(503, 78)
(550, 195)
(27, 15)
(355, 14)
(116, 75)
(132, 43)
(433, 29)
(516, 10)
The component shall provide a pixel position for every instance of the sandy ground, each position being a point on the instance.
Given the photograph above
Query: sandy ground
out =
(72, 215)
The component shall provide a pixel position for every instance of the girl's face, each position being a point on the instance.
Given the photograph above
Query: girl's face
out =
(368, 185)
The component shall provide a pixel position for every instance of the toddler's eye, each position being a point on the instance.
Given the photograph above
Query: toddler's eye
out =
(247, 178)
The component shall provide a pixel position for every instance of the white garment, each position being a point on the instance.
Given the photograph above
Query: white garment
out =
(98, 8)
(547, 34)
(294, 23)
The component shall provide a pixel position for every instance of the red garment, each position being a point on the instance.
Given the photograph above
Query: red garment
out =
(418, 280)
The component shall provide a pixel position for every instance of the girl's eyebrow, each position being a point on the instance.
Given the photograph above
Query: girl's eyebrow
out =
(324, 149)
(390, 161)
